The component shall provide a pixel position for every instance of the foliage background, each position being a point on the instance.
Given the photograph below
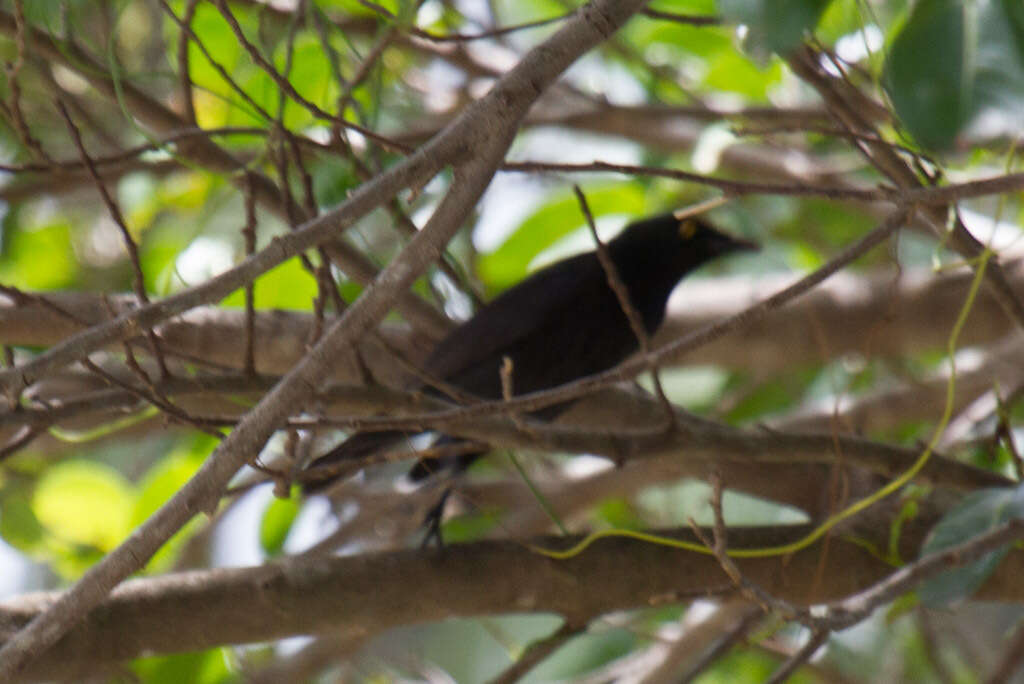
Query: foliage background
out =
(207, 158)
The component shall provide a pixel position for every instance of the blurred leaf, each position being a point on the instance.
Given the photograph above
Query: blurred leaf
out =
(585, 654)
(159, 484)
(216, 36)
(213, 111)
(771, 397)
(901, 607)
(466, 528)
(332, 179)
(137, 197)
(998, 96)
(924, 73)
(350, 290)
(288, 286)
(746, 666)
(262, 90)
(201, 667)
(45, 13)
(187, 190)
(357, 8)
(19, 526)
(825, 225)
(953, 63)
(732, 72)
(85, 502)
(620, 513)
(680, 40)
(24, 243)
(508, 264)
(979, 512)
(842, 19)
(773, 25)
(158, 255)
(310, 74)
(277, 522)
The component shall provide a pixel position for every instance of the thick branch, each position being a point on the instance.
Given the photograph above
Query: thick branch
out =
(368, 594)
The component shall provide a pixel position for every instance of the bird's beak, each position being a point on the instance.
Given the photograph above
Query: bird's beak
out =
(741, 245)
(722, 243)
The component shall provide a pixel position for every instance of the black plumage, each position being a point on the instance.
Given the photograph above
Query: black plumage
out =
(562, 323)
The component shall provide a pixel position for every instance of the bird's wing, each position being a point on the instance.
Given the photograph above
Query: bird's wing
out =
(347, 458)
(516, 313)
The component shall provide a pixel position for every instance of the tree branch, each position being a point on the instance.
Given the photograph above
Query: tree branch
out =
(368, 594)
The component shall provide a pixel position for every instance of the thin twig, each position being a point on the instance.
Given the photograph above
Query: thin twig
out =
(625, 304)
(722, 646)
(138, 282)
(806, 652)
(249, 234)
(688, 19)
(1012, 659)
(184, 69)
(719, 546)
(537, 652)
(729, 186)
(12, 70)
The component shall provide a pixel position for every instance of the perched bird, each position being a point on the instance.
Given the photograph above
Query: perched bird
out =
(562, 323)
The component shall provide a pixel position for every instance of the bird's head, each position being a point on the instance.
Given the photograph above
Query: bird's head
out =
(651, 256)
(684, 240)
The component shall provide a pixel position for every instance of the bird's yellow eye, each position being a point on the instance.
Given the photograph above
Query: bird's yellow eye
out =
(687, 229)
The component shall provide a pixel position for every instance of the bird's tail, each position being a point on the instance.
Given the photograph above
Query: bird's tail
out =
(460, 455)
(346, 458)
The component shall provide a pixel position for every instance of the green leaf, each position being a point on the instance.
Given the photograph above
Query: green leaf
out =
(954, 64)
(733, 72)
(924, 74)
(773, 396)
(333, 177)
(160, 483)
(288, 286)
(23, 243)
(85, 502)
(201, 667)
(998, 94)
(276, 523)
(979, 512)
(19, 526)
(466, 528)
(621, 513)
(158, 256)
(773, 25)
(359, 9)
(216, 36)
(165, 478)
(509, 263)
(310, 74)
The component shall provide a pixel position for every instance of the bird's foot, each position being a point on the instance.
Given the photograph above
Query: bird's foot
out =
(432, 522)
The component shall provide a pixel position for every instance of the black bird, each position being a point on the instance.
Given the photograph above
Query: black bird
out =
(562, 323)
